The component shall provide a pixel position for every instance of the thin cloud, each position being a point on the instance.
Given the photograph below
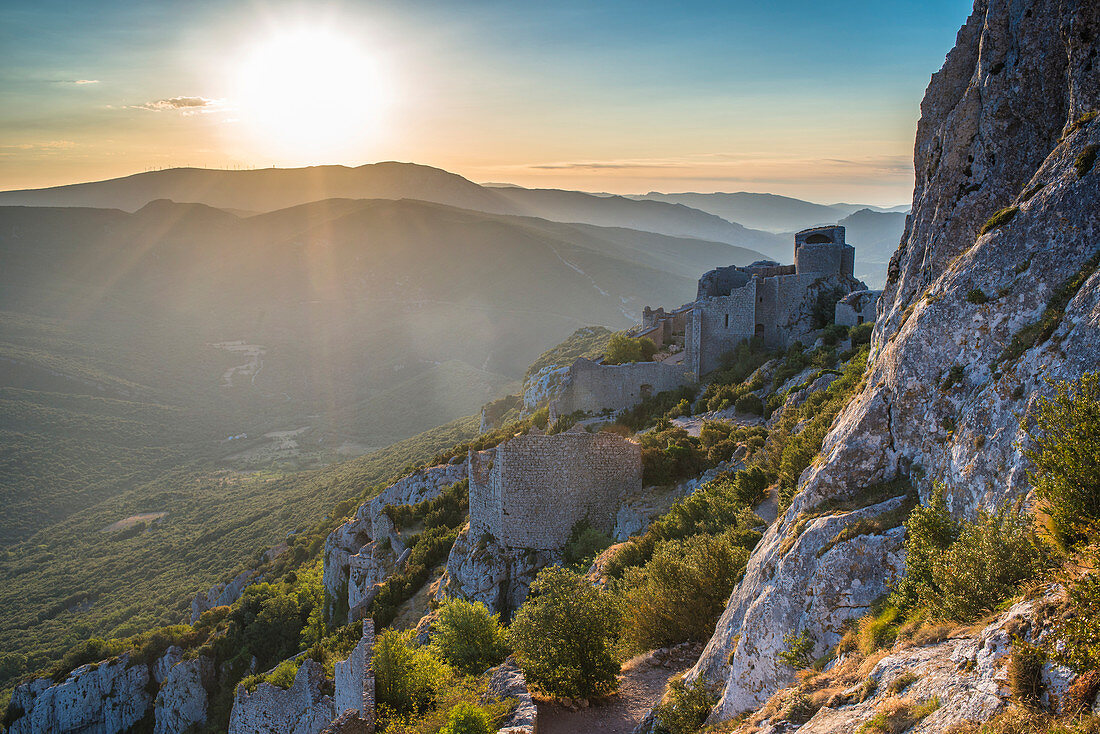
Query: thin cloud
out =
(186, 105)
(613, 165)
(80, 82)
(47, 145)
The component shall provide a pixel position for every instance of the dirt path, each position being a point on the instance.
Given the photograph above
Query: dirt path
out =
(641, 684)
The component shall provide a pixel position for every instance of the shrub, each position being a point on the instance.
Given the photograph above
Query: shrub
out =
(406, 675)
(669, 454)
(799, 653)
(824, 309)
(1065, 453)
(977, 295)
(833, 333)
(685, 708)
(465, 718)
(955, 376)
(1086, 159)
(468, 637)
(1081, 628)
(681, 591)
(565, 635)
(861, 334)
(1000, 218)
(584, 544)
(929, 531)
(1025, 673)
(622, 349)
(750, 403)
(878, 631)
(284, 673)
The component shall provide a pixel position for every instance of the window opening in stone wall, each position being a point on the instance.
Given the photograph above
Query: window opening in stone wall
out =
(859, 320)
(818, 239)
(759, 329)
(645, 391)
(727, 321)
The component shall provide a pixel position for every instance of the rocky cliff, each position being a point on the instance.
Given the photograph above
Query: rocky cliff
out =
(992, 291)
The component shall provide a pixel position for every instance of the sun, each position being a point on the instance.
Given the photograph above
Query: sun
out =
(309, 92)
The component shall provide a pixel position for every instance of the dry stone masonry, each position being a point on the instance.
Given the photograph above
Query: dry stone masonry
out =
(530, 491)
(593, 387)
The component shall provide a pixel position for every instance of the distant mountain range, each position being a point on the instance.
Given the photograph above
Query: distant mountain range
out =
(769, 212)
(753, 221)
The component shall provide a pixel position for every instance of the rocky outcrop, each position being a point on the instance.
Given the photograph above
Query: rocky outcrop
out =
(221, 595)
(480, 569)
(954, 362)
(183, 697)
(99, 698)
(362, 552)
(507, 682)
(544, 386)
(304, 708)
(966, 674)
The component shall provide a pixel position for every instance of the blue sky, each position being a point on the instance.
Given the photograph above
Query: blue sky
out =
(818, 100)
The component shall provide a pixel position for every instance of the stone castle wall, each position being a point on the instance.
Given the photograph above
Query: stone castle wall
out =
(857, 308)
(718, 324)
(827, 259)
(535, 488)
(595, 387)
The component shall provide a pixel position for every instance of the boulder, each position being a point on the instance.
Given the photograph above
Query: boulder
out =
(508, 682)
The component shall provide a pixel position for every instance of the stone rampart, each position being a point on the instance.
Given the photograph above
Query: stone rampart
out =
(594, 387)
(532, 490)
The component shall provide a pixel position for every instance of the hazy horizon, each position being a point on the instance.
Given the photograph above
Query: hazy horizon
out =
(814, 101)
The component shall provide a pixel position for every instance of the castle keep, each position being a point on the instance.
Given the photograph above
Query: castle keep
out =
(530, 491)
(766, 299)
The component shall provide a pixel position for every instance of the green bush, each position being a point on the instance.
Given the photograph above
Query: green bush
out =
(799, 653)
(584, 544)
(1065, 453)
(834, 333)
(465, 718)
(685, 709)
(1002, 217)
(565, 635)
(861, 334)
(681, 591)
(406, 676)
(961, 570)
(622, 349)
(664, 404)
(468, 637)
(750, 403)
(284, 673)
(669, 454)
(1080, 629)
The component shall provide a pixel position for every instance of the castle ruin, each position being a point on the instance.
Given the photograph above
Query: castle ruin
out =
(593, 387)
(858, 307)
(772, 301)
(530, 491)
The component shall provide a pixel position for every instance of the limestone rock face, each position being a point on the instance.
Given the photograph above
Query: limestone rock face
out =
(355, 678)
(301, 709)
(483, 570)
(544, 386)
(182, 701)
(221, 595)
(361, 552)
(941, 394)
(966, 673)
(507, 681)
(101, 698)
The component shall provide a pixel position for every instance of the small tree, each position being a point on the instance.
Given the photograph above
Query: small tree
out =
(467, 636)
(565, 635)
(465, 718)
(1066, 457)
(622, 349)
(681, 591)
(406, 675)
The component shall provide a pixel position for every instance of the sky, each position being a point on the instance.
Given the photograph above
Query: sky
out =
(817, 100)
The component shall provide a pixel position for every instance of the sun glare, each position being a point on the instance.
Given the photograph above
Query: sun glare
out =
(310, 92)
